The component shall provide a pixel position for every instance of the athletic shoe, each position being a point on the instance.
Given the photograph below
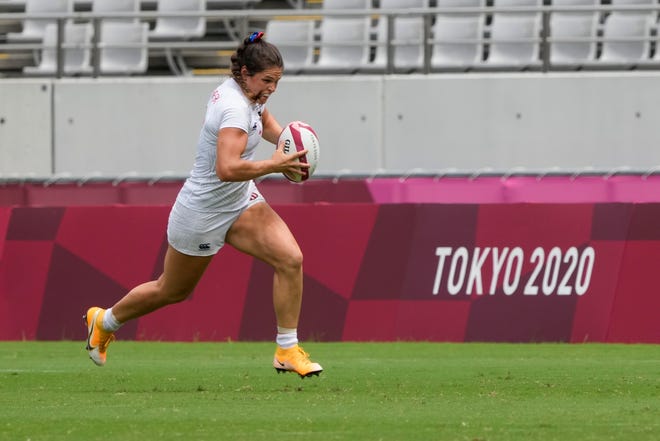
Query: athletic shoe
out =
(98, 340)
(295, 360)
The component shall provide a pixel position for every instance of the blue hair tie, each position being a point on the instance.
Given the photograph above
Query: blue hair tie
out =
(255, 36)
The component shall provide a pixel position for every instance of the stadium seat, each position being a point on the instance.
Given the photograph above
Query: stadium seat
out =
(34, 29)
(578, 26)
(354, 34)
(179, 28)
(635, 28)
(633, 2)
(458, 38)
(408, 38)
(175, 28)
(110, 6)
(344, 41)
(295, 40)
(515, 36)
(132, 58)
(76, 51)
(656, 55)
(346, 4)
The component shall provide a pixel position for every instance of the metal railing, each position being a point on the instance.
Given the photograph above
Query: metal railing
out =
(251, 18)
(341, 175)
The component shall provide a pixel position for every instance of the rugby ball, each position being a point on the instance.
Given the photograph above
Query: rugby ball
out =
(298, 136)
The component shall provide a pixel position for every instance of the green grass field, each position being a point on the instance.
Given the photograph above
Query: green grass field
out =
(369, 391)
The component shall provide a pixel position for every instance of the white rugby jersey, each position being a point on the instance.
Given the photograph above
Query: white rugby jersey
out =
(203, 190)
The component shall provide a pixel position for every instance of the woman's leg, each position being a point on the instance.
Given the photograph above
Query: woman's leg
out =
(260, 232)
(181, 273)
(180, 276)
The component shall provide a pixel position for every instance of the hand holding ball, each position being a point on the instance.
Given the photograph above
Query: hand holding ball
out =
(298, 136)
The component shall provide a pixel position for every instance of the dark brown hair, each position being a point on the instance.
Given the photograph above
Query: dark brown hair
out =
(256, 55)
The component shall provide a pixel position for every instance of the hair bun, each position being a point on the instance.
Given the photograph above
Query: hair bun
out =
(254, 37)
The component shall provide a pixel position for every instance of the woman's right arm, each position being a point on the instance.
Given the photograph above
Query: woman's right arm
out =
(230, 166)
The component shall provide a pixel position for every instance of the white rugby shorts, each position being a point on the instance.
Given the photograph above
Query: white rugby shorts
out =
(200, 233)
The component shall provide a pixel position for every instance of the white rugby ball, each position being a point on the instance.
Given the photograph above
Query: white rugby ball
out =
(298, 136)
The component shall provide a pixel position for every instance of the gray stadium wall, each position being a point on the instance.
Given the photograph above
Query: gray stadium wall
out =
(367, 124)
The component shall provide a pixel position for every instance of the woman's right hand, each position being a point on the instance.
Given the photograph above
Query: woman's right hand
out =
(288, 162)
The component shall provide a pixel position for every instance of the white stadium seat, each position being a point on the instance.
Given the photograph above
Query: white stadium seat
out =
(76, 53)
(295, 40)
(178, 28)
(34, 29)
(346, 4)
(184, 28)
(580, 26)
(123, 48)
(344, 44)
(626, 39)
(110, 6)
(633, 2)
(458, 38)
(344, 41)
(408, 38)
(515, 36)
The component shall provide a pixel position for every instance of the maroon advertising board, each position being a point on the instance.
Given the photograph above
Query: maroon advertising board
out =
(524, 272)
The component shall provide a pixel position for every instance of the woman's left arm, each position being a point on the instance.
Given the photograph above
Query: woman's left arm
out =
(272, 128)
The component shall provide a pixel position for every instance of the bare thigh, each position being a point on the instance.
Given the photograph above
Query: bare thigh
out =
(260, 232)
(179, 278)
(181, 272)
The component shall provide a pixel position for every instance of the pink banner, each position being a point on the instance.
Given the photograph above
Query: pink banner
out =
(441, 189)
(381, 272)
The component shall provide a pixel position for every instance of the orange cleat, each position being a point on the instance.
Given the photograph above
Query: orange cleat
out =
(98, 340)
(295, 360)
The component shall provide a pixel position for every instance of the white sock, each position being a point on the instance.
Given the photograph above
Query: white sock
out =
(287, 337)
(110, 323)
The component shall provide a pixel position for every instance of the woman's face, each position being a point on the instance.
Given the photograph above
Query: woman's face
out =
(260, 86)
